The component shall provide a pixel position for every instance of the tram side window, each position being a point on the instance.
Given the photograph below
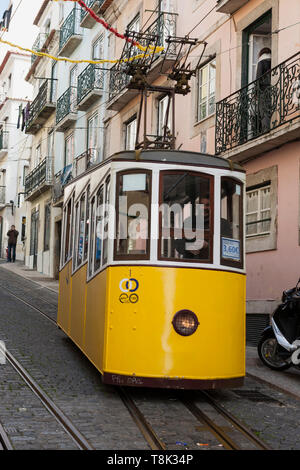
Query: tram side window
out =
(186, 220)
(99, 229)
(133, 215)
(68, 231)
(76, 232)
(106, 219)
(81, 227)
(87, 222)
(231, 222)
(92, 236)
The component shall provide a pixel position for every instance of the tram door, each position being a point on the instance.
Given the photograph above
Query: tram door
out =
(34, 237)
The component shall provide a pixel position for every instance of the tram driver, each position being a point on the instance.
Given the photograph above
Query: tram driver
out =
(195, 247)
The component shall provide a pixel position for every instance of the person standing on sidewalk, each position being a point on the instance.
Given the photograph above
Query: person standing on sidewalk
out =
(12, 242)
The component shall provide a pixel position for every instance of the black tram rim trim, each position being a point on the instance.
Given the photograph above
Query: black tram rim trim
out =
(146, 429)
(176, 383)
(53, 409)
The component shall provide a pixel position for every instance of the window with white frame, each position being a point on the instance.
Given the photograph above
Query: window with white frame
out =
(130, 134)
(206, 90)
(69, 150)
(163, 104)
(97, 49)
(134, 25)
(258, 210)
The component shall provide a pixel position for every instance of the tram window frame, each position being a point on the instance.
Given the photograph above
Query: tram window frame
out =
(133, 257)
(106, 221)
(68, 225)
(84, 195)
(104, 184)
(211, 179)
(100, 194)
(230, 262)
(91, 236)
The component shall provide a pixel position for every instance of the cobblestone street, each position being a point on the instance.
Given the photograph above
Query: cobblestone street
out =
(96, 410)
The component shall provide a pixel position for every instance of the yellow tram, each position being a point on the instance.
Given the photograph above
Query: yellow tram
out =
(152, 275)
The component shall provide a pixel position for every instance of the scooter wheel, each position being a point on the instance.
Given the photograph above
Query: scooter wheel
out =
(268, 351)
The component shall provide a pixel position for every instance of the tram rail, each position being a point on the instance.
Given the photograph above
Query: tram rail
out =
(5, 443)
(224, 437)
(151, 437)
(53, 409)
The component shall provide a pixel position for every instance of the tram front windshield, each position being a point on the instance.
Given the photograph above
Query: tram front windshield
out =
(186, 216)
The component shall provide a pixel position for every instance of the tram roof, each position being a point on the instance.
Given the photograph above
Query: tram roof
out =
(182, 157)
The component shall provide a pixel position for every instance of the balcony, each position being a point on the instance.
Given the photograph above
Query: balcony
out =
(70, 33)
(90, 86)
(4, 135)
(66, 111)
(38, 45)
(262, 115)
(39, 180)
(2, 195)
(98, 6)
(85, 161)
(230, 6)
(41, 108)
(119, 95)
(61, 178)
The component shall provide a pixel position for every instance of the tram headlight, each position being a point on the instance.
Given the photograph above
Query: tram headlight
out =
(185, 322)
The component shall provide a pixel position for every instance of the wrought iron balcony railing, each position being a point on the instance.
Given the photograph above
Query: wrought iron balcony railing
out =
(70, 27)
(85, 161)
(4, 140)
(91, 4)
(38, 45)
(66, 104)
(256, 109)
(164, 26)
(91, 79)
(2, 194)
(42, 175)
(41, 107)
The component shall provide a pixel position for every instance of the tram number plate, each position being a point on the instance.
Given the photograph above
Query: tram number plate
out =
(231, 249)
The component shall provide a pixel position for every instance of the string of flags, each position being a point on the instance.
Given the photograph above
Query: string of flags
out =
(78, 61)
(147, 50)
(111, 29)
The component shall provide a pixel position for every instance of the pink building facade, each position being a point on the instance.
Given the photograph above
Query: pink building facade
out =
(233, 114)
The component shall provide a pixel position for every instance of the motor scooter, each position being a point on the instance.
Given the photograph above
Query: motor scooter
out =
(279, 345)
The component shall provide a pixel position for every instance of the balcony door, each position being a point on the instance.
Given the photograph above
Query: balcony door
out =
(92, 138)
(34, 237)
(255, 38)
(73, 85)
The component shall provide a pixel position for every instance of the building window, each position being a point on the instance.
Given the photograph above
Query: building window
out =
(134, 25)
(92, 137)
(206, 90)
(163, 105)
(261, 207)
(47, 227)
(258, 212)
(130, 134)
(97, 49)
(69, 150)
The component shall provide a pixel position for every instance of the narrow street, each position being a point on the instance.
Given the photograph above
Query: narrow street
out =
(96, 411)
